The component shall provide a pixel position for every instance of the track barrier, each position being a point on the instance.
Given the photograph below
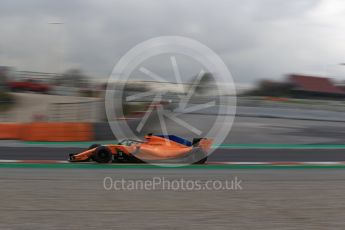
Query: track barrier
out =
(48, 131)
(10, 131)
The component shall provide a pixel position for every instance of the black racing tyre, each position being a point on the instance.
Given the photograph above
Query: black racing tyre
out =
(198, 157)
(201, 162)
(94, 146)
(102, 155)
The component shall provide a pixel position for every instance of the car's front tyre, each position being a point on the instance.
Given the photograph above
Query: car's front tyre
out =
(102, 154)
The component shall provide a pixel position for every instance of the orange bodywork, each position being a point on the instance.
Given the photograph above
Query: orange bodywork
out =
(154, 148)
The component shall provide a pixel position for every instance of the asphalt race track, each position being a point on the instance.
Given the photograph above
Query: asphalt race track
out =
(76, 199)
(219, 155)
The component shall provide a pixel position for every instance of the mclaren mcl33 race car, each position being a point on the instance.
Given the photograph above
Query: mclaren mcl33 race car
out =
(154, 149)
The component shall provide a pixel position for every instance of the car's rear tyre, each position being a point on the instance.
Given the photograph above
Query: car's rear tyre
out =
(102, 155)
(198, 157)
(201, 162)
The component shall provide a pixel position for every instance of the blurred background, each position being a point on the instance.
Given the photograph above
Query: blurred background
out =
(287, 61)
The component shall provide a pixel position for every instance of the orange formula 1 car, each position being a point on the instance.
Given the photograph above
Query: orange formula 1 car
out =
(155, 149)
